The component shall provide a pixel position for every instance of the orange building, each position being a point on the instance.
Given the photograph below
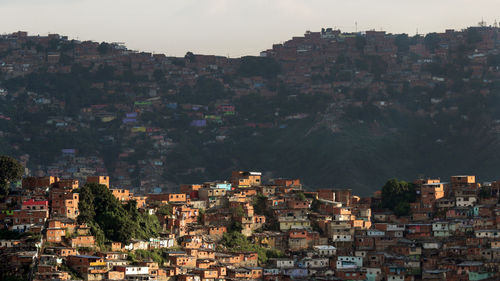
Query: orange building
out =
(87, 264)
(426, 181)
(165, 198)
(104, 180)
(343, 196)
(122, 195)
(115, 275)
(35, 205)
(293, 203)
(288, 182)
(183, 260)
(60, 223)
(116, 246)
(207, 274)
(464, 181)
(21, 217)
(140, 200)
(33, 182)
(430, 192)
(245, 179)
(188, 188)
(55, 234)
(83, 241)
(65, 252)
(64, 203)
(216, 232)
(66, 184)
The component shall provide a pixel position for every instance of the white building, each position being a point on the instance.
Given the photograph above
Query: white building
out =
(325, 250)
(348, 262)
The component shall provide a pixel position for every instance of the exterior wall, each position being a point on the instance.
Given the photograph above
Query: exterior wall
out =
(22, 217)
(55, 235)
(287, 182)
(297, 224)
(33, 182)
(429, 193)
(217, 231)
(184, 261)
(35, 205)
(104, 180)
(465, 201)
(83, 241)
(64, 203)
(177, 197)
(339, 195)
(122, 194)
(245, 179)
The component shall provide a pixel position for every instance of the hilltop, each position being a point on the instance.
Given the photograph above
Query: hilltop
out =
(335, 109)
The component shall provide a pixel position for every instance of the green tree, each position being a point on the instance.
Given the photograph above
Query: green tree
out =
(165, 210)
(396, 196)
(238, 212)
(201, 215)
(10, 170)
(259, 204)
(237, 242)
(110, 220)
(402, 208)
(300, 196)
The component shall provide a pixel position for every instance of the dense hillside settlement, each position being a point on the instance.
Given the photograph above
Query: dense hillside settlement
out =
(356, 107)
(247, 229)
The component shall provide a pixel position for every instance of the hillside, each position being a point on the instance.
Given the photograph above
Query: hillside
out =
(336, 109)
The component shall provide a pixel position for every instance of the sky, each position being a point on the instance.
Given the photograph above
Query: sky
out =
(232, 28)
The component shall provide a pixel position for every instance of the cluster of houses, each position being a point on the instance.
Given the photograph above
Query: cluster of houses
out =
(451, 233)
(327, 62)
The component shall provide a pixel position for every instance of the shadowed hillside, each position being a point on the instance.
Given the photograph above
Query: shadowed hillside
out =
(335, 109)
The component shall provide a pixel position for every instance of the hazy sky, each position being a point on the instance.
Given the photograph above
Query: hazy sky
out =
(232, 27)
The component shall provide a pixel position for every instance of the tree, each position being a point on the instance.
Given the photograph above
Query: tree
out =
(484, 192)
(165, 210)
(402, 209)
(300, 196)
(10, 170)
(259, 66)
(396, 196)
(103, 48)
(402, 42)
(259, 204)
(236, 242)
(190, 57)
(109, 219)
(431, 41)
(238, 212)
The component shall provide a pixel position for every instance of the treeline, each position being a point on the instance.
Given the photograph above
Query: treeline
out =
(110, 220)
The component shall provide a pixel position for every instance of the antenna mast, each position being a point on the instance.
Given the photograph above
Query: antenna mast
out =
(482, 23)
